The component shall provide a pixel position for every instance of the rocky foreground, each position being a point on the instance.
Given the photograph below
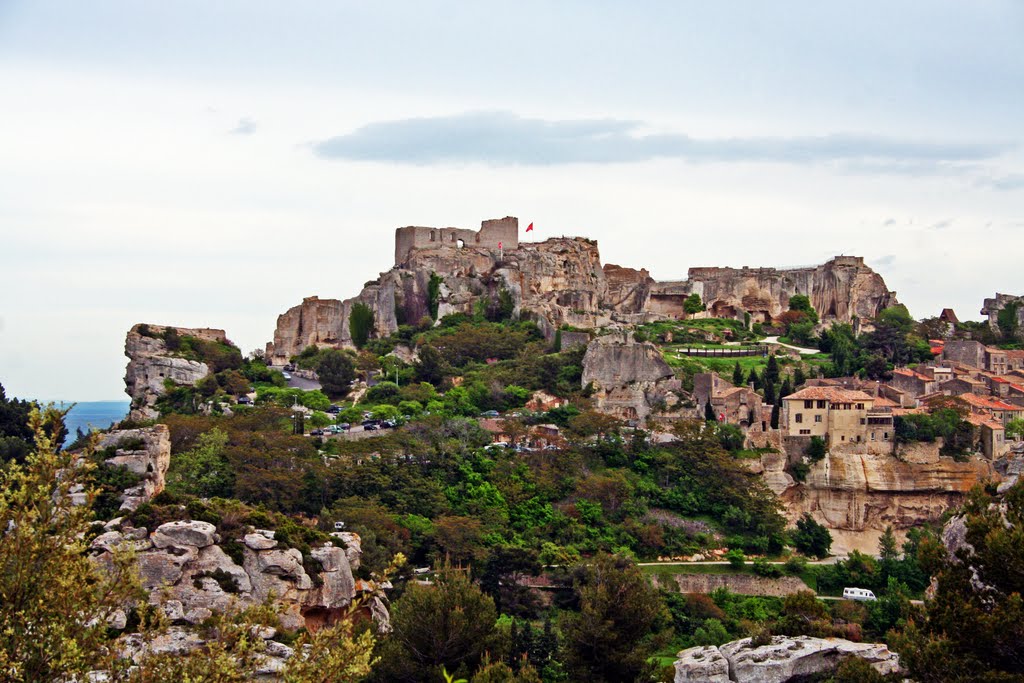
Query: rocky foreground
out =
(779, 661)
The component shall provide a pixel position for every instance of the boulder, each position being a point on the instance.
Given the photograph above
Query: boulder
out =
(184, 533)
(701, 665)
(160, 568)
(259, 541)
(788, 658)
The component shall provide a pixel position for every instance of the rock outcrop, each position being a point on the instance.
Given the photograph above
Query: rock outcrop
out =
(145, 452)
(628, 377)
(151, 364)
(188, 572)
(858, 495)
(561, 282)
(841, 290)
(993, 306)
(783, 659)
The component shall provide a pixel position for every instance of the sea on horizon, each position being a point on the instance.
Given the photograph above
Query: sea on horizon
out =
(88, 415)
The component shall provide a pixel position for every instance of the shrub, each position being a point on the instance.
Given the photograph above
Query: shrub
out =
(360, 324)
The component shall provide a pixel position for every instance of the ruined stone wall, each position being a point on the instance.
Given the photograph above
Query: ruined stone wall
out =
(503, 231)
(743, 584)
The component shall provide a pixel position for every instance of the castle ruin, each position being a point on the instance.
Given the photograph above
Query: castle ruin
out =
(503, 232)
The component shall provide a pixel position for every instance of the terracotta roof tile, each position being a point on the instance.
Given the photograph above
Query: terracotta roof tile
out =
(830, 394)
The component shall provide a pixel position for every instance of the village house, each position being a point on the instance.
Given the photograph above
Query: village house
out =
(998, 411)
(977, 355)
(840, 416)
(541, 402)
(912, 383)
(991, 435)
(740, 406)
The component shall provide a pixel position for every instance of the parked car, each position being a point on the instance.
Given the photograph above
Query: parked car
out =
(289, 367)
(490, 413)
(316, 432)
(244, 401)
(388, 424)
(858, 594)
(344, 426)
(370, 425)
(334, 410)
(286, 375)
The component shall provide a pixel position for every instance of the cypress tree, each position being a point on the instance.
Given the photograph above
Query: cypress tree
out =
(798, 377)
(775, 416)
(771, 372)
(709, 412)
(737, 375)
(752, 378)
(786, 389)
(769, 391)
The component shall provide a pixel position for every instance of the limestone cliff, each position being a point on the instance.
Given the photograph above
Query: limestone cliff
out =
(151, 364)
(858, 495)
(561, 281)
(840, 290)
(145, 452)
(628, 377)
(188, 571)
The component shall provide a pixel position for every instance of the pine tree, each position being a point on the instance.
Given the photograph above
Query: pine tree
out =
(737, 375)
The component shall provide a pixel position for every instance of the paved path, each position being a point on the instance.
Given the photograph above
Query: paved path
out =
(297, 382)
(775, 340)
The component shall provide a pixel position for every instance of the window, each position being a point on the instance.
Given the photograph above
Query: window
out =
(821, 404)
(805, 431)
(860, 406)
(808, 404)
(885, 435)
(817, 418)
(863, 421)
(431, 235)
(799, 418)
(872, 436)
(843, 437)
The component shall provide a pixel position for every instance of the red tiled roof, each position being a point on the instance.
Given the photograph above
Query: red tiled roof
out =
(833, 394)
(979, 420)
(987, 402)
(1015, 353)
(907, 372)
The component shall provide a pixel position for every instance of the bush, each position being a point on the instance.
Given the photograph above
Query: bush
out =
(360, 324)
(736, 558)
(763, 567)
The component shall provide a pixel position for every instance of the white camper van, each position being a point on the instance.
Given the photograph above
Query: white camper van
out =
(858, 594)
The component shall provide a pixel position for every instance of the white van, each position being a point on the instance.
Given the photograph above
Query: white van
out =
(858, 594)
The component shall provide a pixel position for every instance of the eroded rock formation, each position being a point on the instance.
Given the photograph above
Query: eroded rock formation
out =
(858, 495)
(628, 377)
(151, 364)
(561, 281)
(187, 571)
(145, 452)
(783, 659)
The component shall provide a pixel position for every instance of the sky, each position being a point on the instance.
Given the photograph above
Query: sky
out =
(210, 163)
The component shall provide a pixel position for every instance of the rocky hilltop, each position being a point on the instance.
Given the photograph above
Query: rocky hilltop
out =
(561, 281)
(151, 364)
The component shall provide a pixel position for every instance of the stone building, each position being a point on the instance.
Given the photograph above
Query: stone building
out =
(912, 383)
(840, 416)
(495, 233)
(740, 406)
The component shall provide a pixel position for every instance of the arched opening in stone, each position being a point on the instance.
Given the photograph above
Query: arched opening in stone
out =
(460, 244)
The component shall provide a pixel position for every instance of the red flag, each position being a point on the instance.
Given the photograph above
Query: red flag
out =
(529, 227)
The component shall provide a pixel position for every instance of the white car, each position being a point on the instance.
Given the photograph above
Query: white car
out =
(286, 375)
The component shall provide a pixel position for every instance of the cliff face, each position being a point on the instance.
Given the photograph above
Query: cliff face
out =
(150, 364)
(858, 495)
(840, 290)
(145, 452)
(628, 377)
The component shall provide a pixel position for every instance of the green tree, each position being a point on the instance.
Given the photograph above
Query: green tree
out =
(709, 412)
(55, 603)
(1015, 429)
(693, 304)
(448, 624)
(1006, 320)
(737, 375)
(811, 538)
(802, 304)
(16, 436)
(771, 371)
(360, 323)
(336, 372)
(816, 449)
(203, 470)
(754, 379)
(434, 294)
(887, 548)
(776, 409)
(610, 638)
